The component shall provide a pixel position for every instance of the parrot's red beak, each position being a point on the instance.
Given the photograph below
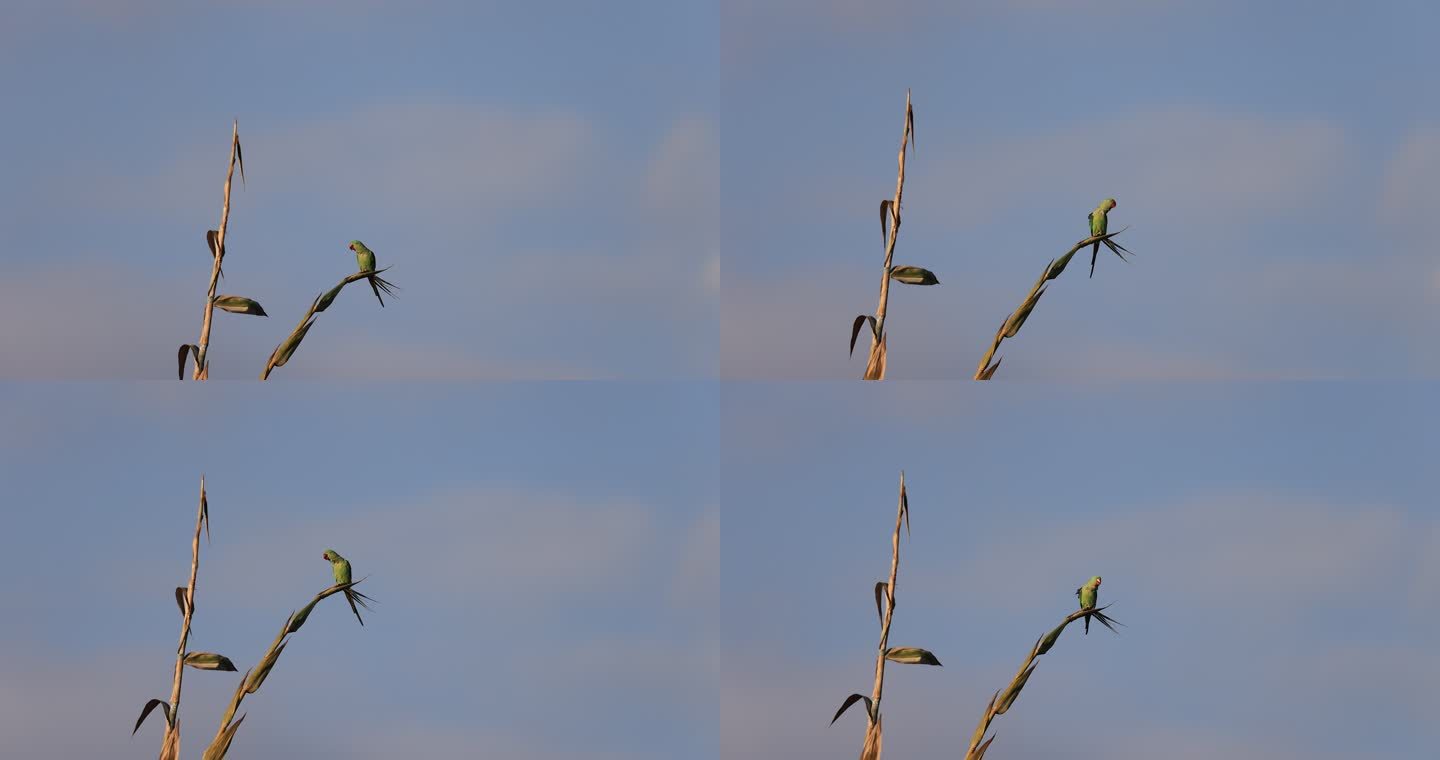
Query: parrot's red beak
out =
(351, 246)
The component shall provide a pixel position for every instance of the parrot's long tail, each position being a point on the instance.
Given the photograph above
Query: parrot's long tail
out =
(380, 284)
(1087, 622)
(1094, 252)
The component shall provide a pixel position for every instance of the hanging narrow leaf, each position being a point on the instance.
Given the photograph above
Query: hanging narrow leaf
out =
(990, 371)
(855, 329)
(180, 599)
(850, 700)
(880, 595)
(240, 305)
(205, 510)
(239, 156)
(209, 661)
(910, 656)
(885, 222)
(905, 504)
(910, 124)
(165, 708)
(914, 276)
(980, 751)
(221, 745)
(185, 348)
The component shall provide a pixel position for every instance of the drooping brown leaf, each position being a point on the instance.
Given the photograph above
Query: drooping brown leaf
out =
(885, 222)
(980, 751)
(850, 700)
(910, 124)
(880, 597)
(204, 510)
(989, 371)
(187, 348)
(164, 708)
(180, 599)
(855, 329)
(239, 156)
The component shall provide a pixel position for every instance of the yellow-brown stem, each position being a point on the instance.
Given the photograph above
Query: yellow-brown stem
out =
(202, 370)
(875, 366)
(172, 730)
(879, 687)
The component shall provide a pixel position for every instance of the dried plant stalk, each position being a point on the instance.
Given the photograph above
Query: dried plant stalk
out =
(1003, 699)
(170, 745)
(202, 347)
(885, 607)
(1011, 326)
(875, 365)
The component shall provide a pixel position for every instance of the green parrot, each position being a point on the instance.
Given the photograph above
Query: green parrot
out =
(1088, 594)
(341, 567)
(1098, 224)
(365, 258)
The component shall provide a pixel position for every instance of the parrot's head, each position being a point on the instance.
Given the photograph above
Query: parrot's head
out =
(329, 555)
(354, 243)
(1109, 204)
(1096, 581)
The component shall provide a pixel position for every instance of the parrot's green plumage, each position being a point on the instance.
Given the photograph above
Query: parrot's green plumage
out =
(1088, 594)
(1099, 223)
(365, 260)
(341, 568)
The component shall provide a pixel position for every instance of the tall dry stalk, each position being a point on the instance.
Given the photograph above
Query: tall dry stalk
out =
(249, 683)
(909, 275)
(1003, 699)
(215, 240)
(885, 608)
(1011, 326)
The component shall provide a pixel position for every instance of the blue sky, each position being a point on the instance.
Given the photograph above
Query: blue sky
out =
(545, 558)
(1277, 163)
(544, 192)
(1271, 548)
